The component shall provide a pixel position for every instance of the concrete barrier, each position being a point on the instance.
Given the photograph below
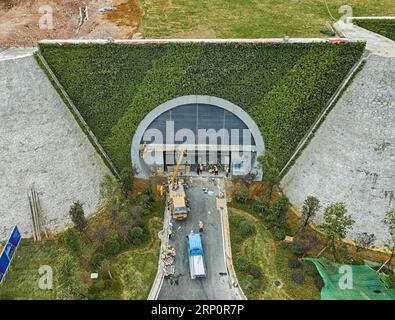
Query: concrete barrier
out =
(223, 209)
(157, 285)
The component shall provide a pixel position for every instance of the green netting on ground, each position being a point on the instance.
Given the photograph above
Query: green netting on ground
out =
(367, 283)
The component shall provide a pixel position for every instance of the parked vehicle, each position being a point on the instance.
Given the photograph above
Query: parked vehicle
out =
(195, 256)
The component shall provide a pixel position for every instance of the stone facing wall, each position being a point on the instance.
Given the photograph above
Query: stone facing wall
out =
(41, 144)
(351, 158)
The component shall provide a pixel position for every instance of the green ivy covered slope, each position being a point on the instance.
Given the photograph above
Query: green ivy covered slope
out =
(385, 27)
(282, 86)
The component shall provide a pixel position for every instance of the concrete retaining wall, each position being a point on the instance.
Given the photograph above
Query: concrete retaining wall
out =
(41, 144)
(351, 158)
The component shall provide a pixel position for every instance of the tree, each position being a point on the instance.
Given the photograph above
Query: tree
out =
(112, 246)
(364, 240)
(136, 234)
(309, 210)
(278, 212)
(271, 173)
(336, 225)
(304, 242)
(77, 216)
(242, 194)
(71, 240)
(389, 221)
(100, 235)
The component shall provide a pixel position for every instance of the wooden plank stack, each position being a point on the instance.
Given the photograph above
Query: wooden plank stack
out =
(36, 214)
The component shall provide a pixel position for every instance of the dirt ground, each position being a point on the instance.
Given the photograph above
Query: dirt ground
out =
(19, 20)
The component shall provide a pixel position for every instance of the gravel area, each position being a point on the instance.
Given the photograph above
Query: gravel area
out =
(351, 158)
(41, 144)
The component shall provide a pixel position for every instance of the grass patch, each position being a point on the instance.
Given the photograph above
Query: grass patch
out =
(130, 273)
(21, 281)
(249, 18)
(137, 269)
(271, 256)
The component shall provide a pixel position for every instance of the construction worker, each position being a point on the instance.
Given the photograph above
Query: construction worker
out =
(226, 171)
(170, 230)
(201, 226)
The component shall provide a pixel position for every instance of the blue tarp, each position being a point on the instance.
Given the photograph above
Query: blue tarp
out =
(8, 251)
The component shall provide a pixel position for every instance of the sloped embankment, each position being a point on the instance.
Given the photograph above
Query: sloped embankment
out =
(351, 157)
(43, 145)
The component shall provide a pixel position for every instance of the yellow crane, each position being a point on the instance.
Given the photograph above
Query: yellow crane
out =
(182, 152)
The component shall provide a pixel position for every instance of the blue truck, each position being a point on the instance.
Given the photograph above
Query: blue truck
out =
(195, 255)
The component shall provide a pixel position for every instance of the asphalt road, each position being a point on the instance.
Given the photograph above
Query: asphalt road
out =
(217, 284)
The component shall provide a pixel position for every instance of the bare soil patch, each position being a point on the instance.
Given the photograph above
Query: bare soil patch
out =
(128, 14)
(19, 26)
(19, 20)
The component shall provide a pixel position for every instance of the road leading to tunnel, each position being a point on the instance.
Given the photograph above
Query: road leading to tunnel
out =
(217, 285)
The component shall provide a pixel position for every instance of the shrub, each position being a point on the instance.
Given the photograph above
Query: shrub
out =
(246, 228)
(259, 206)
(112, 246)
(242, 264)
(310, 269)
(279, 234)
(364, 240)
(97, 286)
(297, 249)
(255, 271)
(278, 211)
(298, 277)
(71, 240)
(136, 234)
(100, 235)
(343, 255)
(146, 213)
(250, 284)
(97, 260)
(241, 195)
(293, 263)
(306, 242)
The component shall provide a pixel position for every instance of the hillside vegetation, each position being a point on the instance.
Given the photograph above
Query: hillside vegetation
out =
(282, 86)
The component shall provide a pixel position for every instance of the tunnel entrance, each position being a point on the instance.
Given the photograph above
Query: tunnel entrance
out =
(212, 131)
